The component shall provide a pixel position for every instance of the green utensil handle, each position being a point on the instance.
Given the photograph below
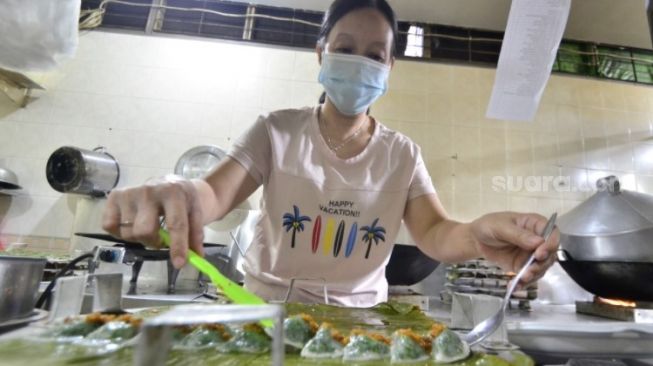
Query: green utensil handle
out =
(232, 290)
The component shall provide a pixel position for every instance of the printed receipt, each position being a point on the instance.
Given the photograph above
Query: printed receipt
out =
(529, 48)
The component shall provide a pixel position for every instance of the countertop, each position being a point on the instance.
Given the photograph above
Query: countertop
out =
(552, 334)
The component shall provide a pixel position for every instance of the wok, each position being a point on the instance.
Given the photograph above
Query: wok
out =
(606, 242)
(408, 266)
(611, 279)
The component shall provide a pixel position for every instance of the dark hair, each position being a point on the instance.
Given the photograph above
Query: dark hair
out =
(340, 8)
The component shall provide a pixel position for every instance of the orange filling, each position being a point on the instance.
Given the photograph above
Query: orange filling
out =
(253, 327)
(220, 329)
(310, 321)
(101, 319)
(436, 329)
(424, 342)
(337, 336)
(376, 336)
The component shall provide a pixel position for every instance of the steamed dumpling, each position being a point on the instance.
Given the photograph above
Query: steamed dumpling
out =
(82, 327)
(74, 329)
(206, 336)
(251, 338)
(299, 329)
(117, 331)
(408, 346)
(364, 346)
(327, 343)
(449, 347)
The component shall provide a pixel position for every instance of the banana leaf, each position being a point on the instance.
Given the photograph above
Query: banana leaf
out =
(384, 318)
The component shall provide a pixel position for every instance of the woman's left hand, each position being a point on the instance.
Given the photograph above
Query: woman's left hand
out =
(509, 238)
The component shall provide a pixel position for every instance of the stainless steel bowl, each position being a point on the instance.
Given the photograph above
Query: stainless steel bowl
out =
(8, 179)
(19, 284)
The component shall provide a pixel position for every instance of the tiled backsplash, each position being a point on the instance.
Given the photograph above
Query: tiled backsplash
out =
(149, 99)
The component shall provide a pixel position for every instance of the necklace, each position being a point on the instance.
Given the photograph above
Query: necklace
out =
(344, 142)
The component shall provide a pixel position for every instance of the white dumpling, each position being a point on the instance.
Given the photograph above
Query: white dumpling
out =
(449, 347)
(323, 345)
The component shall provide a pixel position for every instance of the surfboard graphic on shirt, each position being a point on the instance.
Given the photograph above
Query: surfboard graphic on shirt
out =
(340, 234)
(329, 234)
(317, 228)
(351, 240)
(333, 238)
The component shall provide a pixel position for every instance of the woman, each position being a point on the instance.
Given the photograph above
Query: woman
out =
(336, 186)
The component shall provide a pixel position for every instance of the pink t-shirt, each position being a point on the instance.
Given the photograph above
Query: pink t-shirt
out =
(326, 220)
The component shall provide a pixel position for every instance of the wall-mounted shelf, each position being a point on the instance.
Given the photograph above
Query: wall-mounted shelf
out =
(17, 87)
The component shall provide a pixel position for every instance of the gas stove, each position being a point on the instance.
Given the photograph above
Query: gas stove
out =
(629, 311)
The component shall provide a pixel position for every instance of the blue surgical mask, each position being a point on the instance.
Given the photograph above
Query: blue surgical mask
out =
(352, 82)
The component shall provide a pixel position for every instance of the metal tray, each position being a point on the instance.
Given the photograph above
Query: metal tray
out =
(609, 339)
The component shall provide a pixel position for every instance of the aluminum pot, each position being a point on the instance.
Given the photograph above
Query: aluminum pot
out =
(606, 243)
(19, 284)
(74, 170)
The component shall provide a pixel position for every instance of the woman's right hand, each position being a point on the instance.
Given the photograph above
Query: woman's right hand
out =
(134, 214)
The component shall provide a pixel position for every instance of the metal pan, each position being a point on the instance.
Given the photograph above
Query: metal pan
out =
(408, 266)
(130, 244)
(613, 280)
(135, 249)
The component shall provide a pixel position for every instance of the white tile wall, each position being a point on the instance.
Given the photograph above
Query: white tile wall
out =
(645, 184)
(148, 99)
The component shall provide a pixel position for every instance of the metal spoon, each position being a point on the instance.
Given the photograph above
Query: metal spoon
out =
(488, 326)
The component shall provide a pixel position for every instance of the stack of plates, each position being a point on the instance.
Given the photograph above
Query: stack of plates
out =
(482, 277)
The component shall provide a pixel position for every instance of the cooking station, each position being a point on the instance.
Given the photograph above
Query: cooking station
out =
(500, 109)
(550, 334)
(605, 248)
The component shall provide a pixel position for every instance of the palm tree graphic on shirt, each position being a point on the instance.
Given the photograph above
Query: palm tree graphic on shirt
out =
(372, 234)
(295, 222)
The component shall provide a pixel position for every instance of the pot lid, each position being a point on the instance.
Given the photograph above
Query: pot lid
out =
(610, 211)
(198, 161)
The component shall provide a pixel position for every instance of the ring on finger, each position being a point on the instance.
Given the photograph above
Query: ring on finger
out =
(126, 223)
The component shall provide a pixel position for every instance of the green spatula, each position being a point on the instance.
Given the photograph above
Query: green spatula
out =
(232, 290)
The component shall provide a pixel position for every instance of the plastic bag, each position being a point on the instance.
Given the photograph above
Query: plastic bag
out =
(36, 35)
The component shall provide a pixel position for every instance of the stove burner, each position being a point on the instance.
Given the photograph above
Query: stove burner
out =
(638, 312)
(137, 253)
(213, 253)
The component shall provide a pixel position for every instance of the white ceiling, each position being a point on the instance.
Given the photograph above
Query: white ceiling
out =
(621, 22)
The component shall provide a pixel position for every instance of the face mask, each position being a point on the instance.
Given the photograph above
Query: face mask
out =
(352, 82)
